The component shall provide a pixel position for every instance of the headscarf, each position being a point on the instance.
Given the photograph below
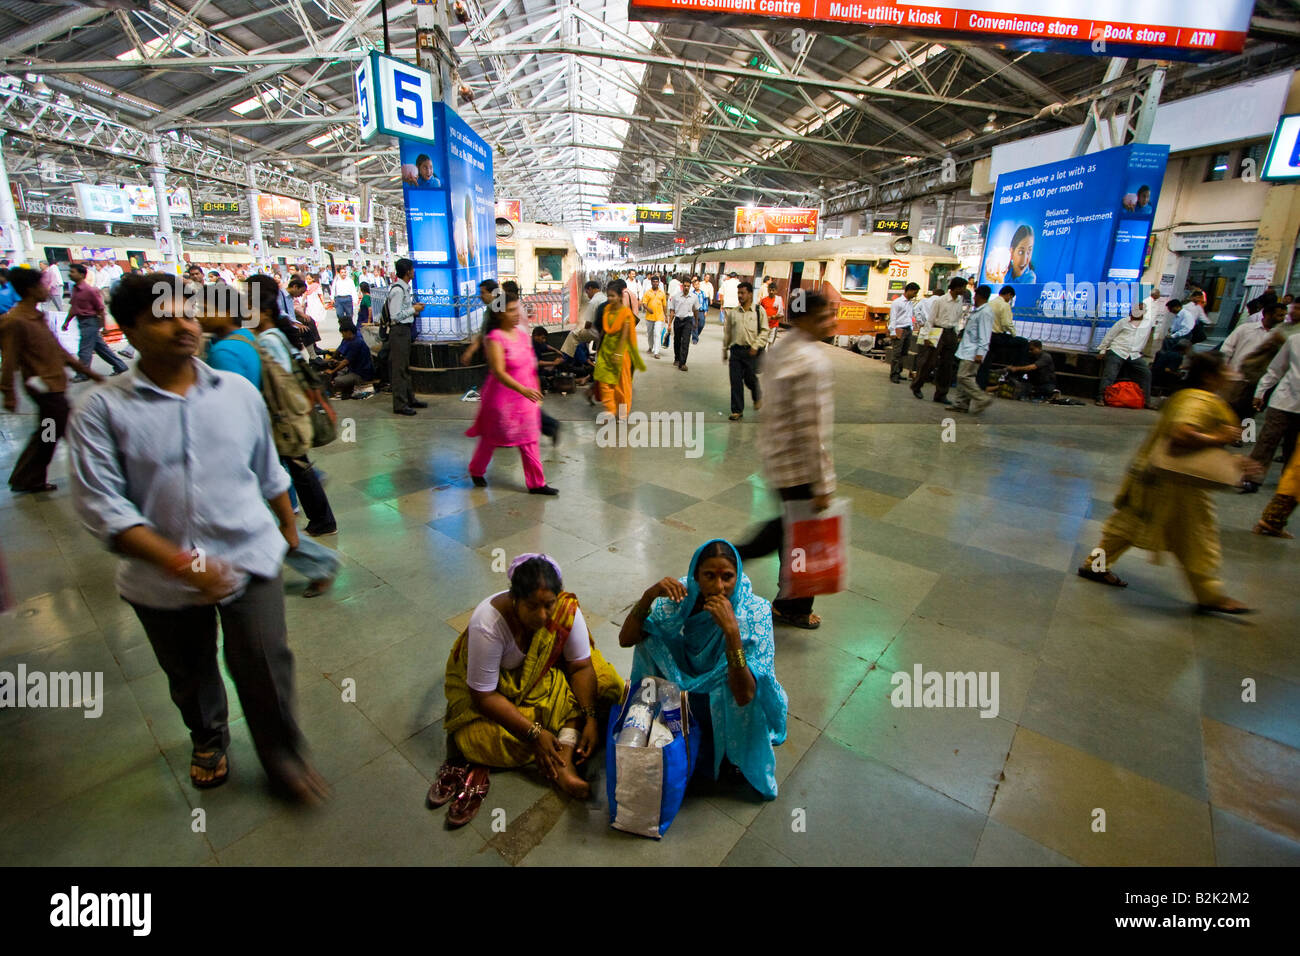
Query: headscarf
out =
(510, 571)
(690, 650)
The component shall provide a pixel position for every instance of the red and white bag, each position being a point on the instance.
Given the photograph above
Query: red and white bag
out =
(817, 549)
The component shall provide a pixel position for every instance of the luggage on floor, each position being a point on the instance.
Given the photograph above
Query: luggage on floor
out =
(646, 785)
(1125, 395)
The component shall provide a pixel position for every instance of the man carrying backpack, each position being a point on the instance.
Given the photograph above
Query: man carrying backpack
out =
(402, 310)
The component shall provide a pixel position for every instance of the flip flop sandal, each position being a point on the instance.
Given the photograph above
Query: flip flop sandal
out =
(211, 762)
(1103, 577)
(467, 803)
(449, 782)
(805, 622)
(1216, 609)
(318, 587)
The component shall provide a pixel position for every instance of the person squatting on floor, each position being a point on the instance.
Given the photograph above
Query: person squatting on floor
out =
(173, 466)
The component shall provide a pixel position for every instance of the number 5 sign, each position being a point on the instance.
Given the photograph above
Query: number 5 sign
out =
(394, 98)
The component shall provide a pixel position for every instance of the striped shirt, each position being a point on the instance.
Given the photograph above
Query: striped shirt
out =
(794, 435)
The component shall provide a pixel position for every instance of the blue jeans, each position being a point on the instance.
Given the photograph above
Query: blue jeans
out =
(92, 343)
(343, 306)
(701, 317)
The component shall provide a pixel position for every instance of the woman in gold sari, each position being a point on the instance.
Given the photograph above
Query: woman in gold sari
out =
(1157, 513)
(523, 685)
(618, 354)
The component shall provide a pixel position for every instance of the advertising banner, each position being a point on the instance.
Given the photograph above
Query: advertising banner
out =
(472, 205)
(1165, 28)
(279, 209)
(510, 209)
(144, 200)
(346, 211)
(103, 203)
(775, 221)
(1058, 231)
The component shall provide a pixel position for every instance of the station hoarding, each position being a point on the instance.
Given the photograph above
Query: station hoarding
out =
(144, 200)
(512, 210)
(1173, 29)
(346, 212)
(775, 221)
(103, 203)
(279, 209)
(1058, 231)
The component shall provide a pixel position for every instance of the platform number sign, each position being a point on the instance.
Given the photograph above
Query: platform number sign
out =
(395, 98)
(1283, 161)
(367, 119)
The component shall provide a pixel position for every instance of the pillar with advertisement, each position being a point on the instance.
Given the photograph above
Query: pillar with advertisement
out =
(447, 191)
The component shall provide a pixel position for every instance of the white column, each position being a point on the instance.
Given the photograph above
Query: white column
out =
(356, 240)
(9, 217)
(168, 240)
(255, 218)
(388, 244)
(317, 255)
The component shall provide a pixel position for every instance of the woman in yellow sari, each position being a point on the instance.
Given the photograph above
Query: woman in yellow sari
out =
(1157, 513)
(1272, 522)
(523, 684)
(618, 354)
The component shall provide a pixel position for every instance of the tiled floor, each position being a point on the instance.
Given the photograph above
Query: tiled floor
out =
(1121, 734)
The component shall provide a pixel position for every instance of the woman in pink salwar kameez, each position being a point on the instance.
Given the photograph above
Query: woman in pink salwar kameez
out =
(510, 412)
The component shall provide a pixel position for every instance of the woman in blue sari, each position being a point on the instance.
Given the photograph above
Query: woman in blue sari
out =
(711, 635)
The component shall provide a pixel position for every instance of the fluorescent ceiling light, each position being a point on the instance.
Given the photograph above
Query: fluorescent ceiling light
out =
(256, 102)
(322, 138)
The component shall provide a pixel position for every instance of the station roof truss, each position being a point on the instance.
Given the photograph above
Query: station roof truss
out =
(580, 105)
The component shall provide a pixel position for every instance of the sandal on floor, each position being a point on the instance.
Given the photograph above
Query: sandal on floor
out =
(806, 622)
(1103, 577)
(211, 762)
(1218, 609)
(449, 782)
(470, 798)
(318, 587)
(1268, 532)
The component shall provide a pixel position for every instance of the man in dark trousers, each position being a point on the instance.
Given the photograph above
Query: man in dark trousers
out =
(744, 337)
(173, 469)
(34, 355)
(402, 310)
(946, 315)
(87, 307)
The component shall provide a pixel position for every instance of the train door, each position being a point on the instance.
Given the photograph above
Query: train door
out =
(796, 275)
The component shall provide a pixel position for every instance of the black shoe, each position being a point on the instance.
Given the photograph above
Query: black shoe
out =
(894, 379)
(943, 401)
(404, 411)
(419, 405)
(322, 532)
(479, 481)
(544, 490)
(1249, 487)
(916, 393)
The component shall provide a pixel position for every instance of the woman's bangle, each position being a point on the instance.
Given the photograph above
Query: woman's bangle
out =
(534, 732)
(736, 658)
(589, 713)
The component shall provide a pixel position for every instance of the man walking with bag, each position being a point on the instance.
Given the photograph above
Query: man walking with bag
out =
(402, 310)
(794, 437)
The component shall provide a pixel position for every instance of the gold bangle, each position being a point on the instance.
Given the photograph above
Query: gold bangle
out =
(736, 658)
(589, 713)
(534, 732)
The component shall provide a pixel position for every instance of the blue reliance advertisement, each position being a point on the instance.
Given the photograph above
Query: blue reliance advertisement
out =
(1072, 235)
(450, 223)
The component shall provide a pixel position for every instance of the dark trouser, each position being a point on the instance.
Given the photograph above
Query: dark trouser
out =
(898, 352)
(345, 382)
(940, 361)
(1001, 346)
(92, 343)
(399, 356)
(768, 539)
(1114, 364)
(1279, 428)
(744, 374)
(701, 318)
(550, 426)
(683, 327)
(29, 470)
(310, 493)
(343, 306)
(258, 657)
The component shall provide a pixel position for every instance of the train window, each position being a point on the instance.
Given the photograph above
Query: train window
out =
(550, 265)
(940, 273)
(856, 276)
(505, 262)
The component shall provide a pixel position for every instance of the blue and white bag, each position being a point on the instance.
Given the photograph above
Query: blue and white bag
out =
(646, 785)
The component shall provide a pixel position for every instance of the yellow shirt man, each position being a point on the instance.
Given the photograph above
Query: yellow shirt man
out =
(1002, 315)
(655, 301)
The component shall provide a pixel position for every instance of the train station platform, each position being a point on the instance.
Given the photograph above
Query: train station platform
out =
(963, 560)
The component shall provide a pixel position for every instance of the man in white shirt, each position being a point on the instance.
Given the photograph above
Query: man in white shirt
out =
(107, 274)
(1154, 309)
(345, 296)
(1282, 420)
(595, 299)
(706, 285)
(1122, 350)
(945, 314)
(1195, 308)
(902, 323)
(728, 291)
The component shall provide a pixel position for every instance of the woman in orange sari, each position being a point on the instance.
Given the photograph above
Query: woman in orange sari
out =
(618, 354)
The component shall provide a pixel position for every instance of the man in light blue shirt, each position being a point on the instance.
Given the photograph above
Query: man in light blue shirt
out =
(173, 466)
(971, 351)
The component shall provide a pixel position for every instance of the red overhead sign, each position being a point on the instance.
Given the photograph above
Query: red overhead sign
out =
(775, 221)
(1104, 27)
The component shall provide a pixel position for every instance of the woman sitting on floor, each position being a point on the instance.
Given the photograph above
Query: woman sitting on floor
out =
(711, 635)
(523, 684)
